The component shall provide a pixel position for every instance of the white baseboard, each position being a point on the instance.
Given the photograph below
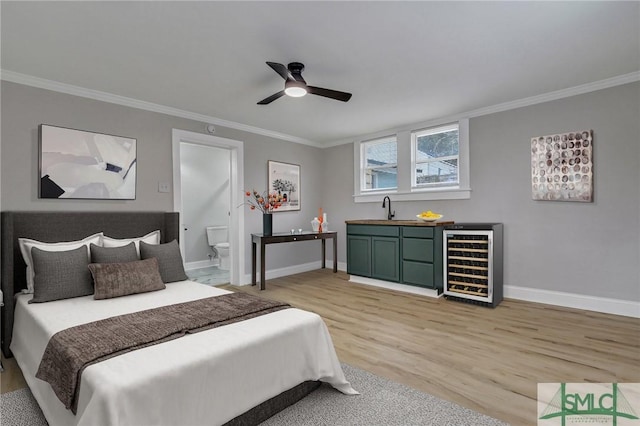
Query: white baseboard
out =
(395, 286)
(572, 300)
(557, 298)
(283, 272)
(200, 264)
(295, 269)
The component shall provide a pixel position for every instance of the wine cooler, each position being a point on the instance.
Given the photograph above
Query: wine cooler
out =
(472, 256)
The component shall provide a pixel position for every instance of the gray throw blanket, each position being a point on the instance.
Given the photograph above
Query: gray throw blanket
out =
(70, 351)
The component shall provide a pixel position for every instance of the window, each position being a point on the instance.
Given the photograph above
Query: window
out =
(435, 155)
(379, 164)
(414, 165)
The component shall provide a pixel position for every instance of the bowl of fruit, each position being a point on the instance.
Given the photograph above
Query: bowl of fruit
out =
(428, 216)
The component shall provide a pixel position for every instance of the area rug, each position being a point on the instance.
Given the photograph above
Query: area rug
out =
(381, 402)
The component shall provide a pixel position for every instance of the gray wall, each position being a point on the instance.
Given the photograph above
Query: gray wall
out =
(204, 173)
(583, 248)
(24, 108)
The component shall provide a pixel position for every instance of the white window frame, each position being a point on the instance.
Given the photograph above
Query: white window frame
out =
(406, 191)
(363, 165)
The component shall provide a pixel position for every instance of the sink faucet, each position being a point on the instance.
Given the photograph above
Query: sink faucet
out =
(384, 204)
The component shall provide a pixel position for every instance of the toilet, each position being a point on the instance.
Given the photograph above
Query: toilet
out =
(218, 240)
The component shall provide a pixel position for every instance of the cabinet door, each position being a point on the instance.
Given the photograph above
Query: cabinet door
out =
(359, 255)
(385, 260)
(418, 273)
(419, 250)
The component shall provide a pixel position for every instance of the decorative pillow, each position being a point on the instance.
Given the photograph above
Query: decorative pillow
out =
(60, 274)
(122, 254)
(169, 260)
(150, 238)
(26, 245)
(121, 279)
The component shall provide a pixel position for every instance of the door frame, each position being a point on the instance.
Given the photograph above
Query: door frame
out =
(236, 218)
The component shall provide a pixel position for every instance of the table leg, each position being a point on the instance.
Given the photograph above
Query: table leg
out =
(262, 265)
(335, 253)
(324, 252)
(253, 263)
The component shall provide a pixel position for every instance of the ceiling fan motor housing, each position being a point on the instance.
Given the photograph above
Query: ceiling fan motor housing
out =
(295, 68)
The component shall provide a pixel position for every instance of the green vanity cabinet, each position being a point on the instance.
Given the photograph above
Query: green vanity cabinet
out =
(409, 255)
(422, 256)
(374, 251)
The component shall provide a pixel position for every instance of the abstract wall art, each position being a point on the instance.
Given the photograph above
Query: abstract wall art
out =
(77, 164)
(562, 167)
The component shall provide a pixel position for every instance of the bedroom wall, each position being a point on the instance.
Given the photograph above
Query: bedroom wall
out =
(23, 108)
(590, 249)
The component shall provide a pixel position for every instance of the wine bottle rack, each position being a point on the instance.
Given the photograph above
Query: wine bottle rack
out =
(473, 263)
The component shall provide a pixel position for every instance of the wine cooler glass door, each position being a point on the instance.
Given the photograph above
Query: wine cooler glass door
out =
(468, 264)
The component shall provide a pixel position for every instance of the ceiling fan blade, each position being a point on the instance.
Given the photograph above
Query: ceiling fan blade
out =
(281, 70)
(328, 93)
(271, 98)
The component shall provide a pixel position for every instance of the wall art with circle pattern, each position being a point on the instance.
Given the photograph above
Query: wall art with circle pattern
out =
(562, 167)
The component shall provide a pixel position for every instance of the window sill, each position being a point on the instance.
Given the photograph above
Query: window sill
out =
(416, 195)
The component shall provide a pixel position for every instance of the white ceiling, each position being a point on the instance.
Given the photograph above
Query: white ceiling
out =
(404, 62)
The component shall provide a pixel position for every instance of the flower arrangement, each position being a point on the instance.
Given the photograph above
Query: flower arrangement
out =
(265, 202)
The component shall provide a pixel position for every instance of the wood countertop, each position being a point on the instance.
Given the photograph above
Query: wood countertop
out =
(398, 222)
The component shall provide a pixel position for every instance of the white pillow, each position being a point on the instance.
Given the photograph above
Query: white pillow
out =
(26, 245)
(150, 238)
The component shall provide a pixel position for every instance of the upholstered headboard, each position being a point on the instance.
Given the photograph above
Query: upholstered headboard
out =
(66, 226)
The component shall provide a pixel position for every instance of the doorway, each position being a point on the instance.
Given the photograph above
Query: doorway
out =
(208, 181)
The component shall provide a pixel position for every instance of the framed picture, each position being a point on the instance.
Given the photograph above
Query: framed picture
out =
(562, 167)
(77, 164)
(284, 179)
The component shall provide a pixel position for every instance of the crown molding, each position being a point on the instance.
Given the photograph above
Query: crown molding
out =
(506, 106)
(42, 83)
(558, 94)
(29, 80)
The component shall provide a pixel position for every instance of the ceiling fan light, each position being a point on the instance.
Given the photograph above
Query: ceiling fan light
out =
(295, 89)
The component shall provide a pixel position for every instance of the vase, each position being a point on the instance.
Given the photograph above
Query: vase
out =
(267, 224)
(315, 225)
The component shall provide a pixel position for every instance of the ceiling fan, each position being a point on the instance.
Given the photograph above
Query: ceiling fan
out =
(295, 86)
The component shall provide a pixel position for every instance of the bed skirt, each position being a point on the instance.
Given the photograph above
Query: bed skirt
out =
(272, 406)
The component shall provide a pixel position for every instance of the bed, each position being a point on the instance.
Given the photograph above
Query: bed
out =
(240, 373)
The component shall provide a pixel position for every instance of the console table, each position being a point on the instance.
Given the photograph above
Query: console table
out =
(259, 239)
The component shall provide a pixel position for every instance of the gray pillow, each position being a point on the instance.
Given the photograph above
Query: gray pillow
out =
(60, 274)
(121, 279)
(169, 260)
(120, 254)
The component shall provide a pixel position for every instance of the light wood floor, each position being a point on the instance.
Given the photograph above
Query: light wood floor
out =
(11, 378)
(489, 360)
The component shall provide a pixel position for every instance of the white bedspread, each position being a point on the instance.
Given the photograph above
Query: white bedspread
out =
(204, 378)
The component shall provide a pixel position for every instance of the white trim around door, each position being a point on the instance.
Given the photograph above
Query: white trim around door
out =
(236, 219)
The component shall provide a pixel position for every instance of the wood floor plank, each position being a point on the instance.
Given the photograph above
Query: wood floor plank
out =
(488, 360)
(11, 378)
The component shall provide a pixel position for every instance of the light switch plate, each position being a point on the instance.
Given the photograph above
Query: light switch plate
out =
(163, 187)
